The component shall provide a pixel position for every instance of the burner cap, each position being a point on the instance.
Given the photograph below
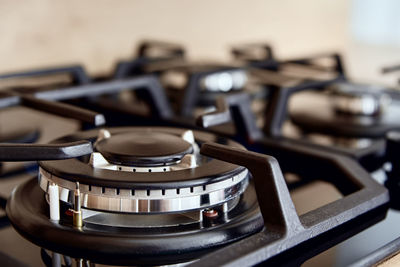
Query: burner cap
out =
(143, 148)
(127, 189)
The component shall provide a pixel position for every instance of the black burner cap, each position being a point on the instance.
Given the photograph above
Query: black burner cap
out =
(143, 148)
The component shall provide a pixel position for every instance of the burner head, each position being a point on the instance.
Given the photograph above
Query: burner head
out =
(178, 212)
(143, 148)
(146, 170)
(358, 99)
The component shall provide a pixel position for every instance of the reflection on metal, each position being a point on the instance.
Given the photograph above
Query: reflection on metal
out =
(149, 201)
(224, 81)
(113, 220)
(359, 99)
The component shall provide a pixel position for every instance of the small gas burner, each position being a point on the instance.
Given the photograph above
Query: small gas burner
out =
(192, 85)
(139, 188)
(348, 109)
(358, 99)
(189, 85)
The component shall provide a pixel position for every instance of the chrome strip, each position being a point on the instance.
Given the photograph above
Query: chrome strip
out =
(149, 201)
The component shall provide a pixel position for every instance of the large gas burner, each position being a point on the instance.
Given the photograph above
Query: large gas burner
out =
(138, 187)
(145, 170)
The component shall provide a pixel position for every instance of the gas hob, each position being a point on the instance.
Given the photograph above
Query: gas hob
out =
(222, 167)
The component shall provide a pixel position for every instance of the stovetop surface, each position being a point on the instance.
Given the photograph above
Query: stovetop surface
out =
(51, 127)
(307, 197)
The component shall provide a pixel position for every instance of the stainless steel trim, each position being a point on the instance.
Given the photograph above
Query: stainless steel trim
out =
(134, 220)
(149, 201)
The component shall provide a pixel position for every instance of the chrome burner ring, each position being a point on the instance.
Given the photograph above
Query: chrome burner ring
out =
(151, 200)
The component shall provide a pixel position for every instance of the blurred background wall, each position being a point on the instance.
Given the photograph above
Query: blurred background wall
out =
(97, 32)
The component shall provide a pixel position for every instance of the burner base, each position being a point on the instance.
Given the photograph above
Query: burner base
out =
(157, 246)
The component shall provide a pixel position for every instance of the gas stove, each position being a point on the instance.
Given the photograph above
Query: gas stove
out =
(153, 172)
